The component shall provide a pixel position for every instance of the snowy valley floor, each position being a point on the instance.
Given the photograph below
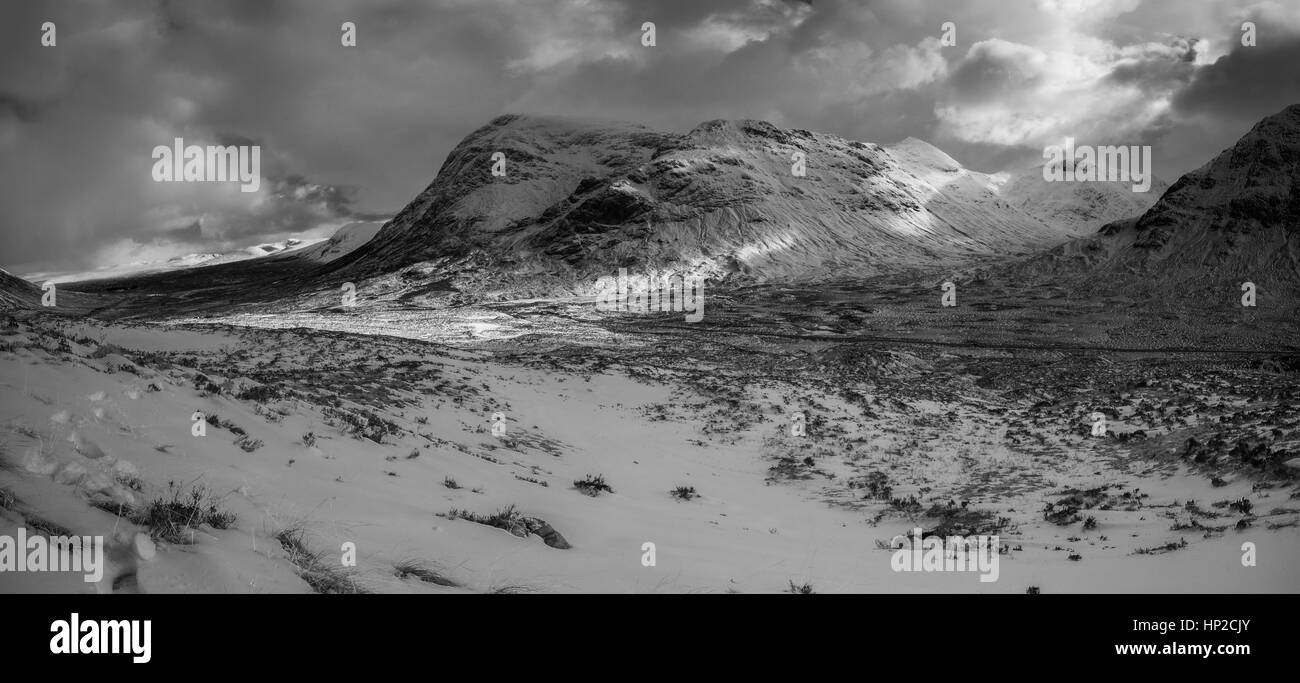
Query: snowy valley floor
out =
(375, 427)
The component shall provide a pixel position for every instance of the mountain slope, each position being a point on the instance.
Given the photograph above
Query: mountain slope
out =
(580, 199)
(16, 292)
(344, 241)
(1080, 208)
(1235, 219)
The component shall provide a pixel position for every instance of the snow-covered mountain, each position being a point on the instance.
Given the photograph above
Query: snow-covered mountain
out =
(181, 262)
(1235, 219)
(342, 241)
(581, 198)
(1080, 208)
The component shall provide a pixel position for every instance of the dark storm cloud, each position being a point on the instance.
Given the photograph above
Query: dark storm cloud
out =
(23, 110)
(1248, 83)
(992, 69)
(1225, 99)
(357, 132)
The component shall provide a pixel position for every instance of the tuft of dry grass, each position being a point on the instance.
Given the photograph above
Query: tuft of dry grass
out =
(422, 571)
(174, 518)
(45, 527)
(323, 577)
(684, 493)
(801, 589)
(593, 485)
(511, 589)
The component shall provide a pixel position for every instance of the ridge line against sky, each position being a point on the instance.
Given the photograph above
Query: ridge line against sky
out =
(353, 133)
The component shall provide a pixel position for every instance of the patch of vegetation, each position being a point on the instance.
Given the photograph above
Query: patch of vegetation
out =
(877, 485)
(422, 571)
(450, 483)
(102, 349)
(787, 467)
(908, 506)
(511, 589)
(45, 527)
(1243, 505)
(260, 393)
(227, 425)
(959, 520)
(323, 575)
(130, 480)
(1061, 514)
(361, 424)
(174, 518)
(247, 444)
(507, 518)
(514, 522)
(205, 385)
(801, 589)
(592, 485)
(684, 493)
(1166, 548)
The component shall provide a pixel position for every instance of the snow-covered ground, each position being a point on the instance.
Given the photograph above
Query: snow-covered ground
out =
(128, 395)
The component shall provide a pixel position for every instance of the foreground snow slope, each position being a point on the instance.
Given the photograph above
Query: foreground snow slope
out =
(128, 393)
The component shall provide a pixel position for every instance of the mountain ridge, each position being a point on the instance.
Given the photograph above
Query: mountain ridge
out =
(722, 200)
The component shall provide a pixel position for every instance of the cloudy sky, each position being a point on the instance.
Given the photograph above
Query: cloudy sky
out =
(354, 133)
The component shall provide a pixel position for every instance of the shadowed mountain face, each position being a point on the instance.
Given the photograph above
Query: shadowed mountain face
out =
(16, 292)
(579, 199)
(1235, 219)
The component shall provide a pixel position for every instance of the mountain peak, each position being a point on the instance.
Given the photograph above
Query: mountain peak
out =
(747, 129)
(925, 153)
(553, 124)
